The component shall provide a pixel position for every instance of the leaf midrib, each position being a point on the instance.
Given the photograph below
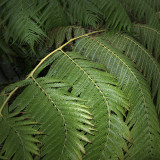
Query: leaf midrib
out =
(17, 133)
(99, 90)
(147, 27)
(54, 104)
(149, 55)
(115, 55)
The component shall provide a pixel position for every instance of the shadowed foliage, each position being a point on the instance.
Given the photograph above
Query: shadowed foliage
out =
(96, 96)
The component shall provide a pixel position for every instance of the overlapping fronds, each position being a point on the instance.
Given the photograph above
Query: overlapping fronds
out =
(60, 117)
(84, 13)
(139, 55)
(149, 37)
(16, 136)
(59, 35)
(21, 21)
(97, 96)
(107, 103)
(142, 10)
(142, 118)
(49, 104)
(114, 13)
(154, 3)
(29, 21)
(52, 14)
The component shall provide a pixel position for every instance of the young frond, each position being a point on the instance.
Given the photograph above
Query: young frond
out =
(142, 117)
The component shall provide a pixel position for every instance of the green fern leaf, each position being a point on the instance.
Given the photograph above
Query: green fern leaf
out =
(22, 21)
(114, 13)
(17, 84)
(142, 118)
(58, 35)
(60, 116)
(141, 10)
(124, 120)
(154, 3)
(139, 55)
(107, 102)
(149, 37)
(16, 135)
(52, 14)
(84, 13)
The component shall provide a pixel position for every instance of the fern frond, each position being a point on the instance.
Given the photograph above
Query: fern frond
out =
(106, 100)
(2, 100)
(141, 9)
(17, 84)
(142, 118)
(21, 21)
(119, 108)
(60, 116)
(58, 35)
(16, 135)
(154, 3)
(114, 13)
(52, 14)
(84, 13)
(139, 55)
(149, 37)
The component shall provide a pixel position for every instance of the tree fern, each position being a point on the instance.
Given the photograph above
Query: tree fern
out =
(16, 136)
(87, 79)
(138, 54)
(60, 119)
(149, 37)
(96, 96)
(22, 21)
(52, 14)
(154, 3)
(94, 81)
(114, 13)
(141, 9)
(135, 88)
(84, 13)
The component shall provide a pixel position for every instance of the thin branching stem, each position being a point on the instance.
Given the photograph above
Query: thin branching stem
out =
(33, 71)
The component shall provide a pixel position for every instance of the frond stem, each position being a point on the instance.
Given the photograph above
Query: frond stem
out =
(99, 90)
(60, 48)
(147, 27)
(33, 71)
(64, 121)
(5, 102)
(141, 90)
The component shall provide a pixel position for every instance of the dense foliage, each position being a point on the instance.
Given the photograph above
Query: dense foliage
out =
(96, 96)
